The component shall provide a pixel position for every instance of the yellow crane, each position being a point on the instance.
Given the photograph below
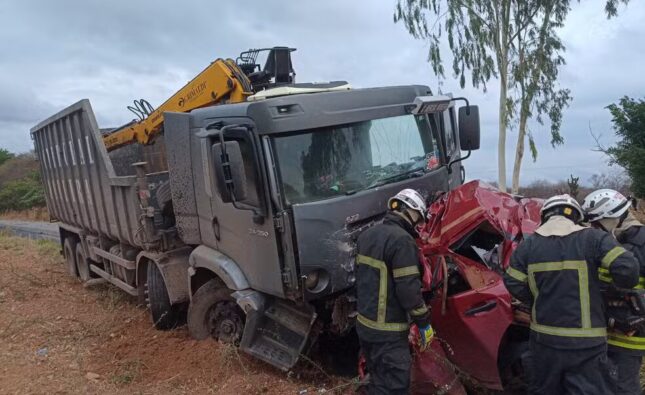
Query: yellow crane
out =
(223, 81)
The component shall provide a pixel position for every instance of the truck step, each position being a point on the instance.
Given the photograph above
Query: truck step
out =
(277, 334)
(294, 320)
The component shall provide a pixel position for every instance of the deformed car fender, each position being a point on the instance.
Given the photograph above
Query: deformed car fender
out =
(472, 317)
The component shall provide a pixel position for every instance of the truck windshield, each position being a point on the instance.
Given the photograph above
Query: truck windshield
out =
(338, 160)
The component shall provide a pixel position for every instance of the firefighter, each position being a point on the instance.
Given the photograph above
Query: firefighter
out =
(388, 288)
(608, 210)
(555, 271)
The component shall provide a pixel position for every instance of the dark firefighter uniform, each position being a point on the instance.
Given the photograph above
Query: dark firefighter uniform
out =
(388, 287)
(556, 272)
(627, 351)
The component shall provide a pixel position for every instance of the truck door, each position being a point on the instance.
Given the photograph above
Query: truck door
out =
(247, 235)
(476, 316)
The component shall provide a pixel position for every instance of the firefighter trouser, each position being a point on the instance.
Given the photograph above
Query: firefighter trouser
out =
(562, 371)
(629, 367)
(388, 364)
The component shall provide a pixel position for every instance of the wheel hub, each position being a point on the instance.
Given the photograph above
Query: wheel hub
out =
(226, 322)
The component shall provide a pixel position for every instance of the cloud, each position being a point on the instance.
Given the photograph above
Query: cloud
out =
(57, 52)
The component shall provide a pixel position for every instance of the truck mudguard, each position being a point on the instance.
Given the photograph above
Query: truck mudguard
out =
(220, 264)
(173, 266)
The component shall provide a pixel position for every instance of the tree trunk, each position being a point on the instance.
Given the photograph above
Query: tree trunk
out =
(502, 57)
(519, 154)
(501, 143)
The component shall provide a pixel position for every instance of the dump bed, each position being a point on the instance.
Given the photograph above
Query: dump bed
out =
(81, 187)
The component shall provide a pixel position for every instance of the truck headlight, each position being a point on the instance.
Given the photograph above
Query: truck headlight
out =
(317, 280)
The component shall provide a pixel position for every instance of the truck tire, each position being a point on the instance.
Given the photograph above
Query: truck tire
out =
(164, 315)
(82, 263)
(214, 313)
(69, 252)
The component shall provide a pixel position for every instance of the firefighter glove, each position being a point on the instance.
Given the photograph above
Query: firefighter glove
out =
(426, 334)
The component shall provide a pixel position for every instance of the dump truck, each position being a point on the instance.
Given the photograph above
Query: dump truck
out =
(241, 218)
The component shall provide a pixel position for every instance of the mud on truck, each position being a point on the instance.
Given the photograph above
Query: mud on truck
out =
(241, 218)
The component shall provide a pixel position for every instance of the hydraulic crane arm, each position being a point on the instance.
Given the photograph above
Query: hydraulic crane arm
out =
(221, 82)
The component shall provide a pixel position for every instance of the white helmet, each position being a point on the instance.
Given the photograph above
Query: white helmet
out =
(564, 201)
(605, 203)
(410, 198)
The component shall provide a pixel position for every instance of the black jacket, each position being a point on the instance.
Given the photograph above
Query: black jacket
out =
(558, 277)
(388, 281)
(633, 239)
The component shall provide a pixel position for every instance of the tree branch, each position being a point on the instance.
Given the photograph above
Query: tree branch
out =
(528, 21)
(599, 147)
(469, 8)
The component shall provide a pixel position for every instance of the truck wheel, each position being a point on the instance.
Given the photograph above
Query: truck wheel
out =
(82, 263)
(69, 251)
(214, 313)
(164, 315)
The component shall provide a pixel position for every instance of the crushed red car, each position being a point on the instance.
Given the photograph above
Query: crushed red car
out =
(480, 335)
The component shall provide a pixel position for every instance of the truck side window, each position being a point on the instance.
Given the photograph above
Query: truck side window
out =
(250, 169)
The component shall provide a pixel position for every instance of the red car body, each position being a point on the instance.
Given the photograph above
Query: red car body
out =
(466, 245)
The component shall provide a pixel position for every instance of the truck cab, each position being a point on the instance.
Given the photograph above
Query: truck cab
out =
(272, 193)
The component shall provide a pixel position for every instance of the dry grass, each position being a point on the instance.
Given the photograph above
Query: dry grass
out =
(32, 214)
(58, 337)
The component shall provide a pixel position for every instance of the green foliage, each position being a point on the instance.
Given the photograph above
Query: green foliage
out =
(628, 117)
(611, 7)
(480, 33)
(472, 30)
(574, 186)
(23, 193)
(535, 70)
(5, 155)
(533, 147)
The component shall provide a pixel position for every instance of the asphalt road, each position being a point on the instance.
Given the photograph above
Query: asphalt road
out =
(33, 230)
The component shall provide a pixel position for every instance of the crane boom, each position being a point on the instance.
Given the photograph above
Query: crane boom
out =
(223, 81)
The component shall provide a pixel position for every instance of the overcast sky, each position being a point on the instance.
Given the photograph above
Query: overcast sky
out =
(53, 53)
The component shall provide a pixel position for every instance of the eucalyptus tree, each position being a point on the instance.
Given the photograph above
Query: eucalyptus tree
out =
(514, 41)
(534, 77)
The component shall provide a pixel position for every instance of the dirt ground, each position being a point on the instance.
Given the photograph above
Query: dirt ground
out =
(57, 337)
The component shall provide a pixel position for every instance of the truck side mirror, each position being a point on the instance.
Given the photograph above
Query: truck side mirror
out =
(228, 168)
(469, 128)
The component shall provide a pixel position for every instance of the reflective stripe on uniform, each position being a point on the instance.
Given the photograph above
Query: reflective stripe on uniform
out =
(405, 271)
(383, 326)
(569, 332)
(604, 275)
(583, 291)
(516, 274)
(419, 311)
(611, 256)
(382, 288)
(624, 341)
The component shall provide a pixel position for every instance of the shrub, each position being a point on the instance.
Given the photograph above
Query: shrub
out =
(23, 193)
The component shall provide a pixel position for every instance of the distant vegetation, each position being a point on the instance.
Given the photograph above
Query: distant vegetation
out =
(616, 179)
(628, 117)
(21, 187)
